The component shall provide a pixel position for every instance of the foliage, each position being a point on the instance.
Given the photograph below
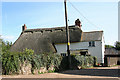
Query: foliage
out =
(76, 61)
(26, 55)
(10, 63)
(64, 64)
(46, 60)
(109, 46)
(5, 45)
(7, 59)
(80, 60)
(117, 45)
(84, 60)
(11, 60)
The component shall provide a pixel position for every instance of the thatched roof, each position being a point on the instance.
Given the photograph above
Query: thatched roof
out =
(92, 36)
(43, 40)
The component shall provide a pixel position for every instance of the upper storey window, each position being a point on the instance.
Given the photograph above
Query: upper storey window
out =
(92, 44)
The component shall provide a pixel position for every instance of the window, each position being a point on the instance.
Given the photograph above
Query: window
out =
(92, 43)
(63, 54)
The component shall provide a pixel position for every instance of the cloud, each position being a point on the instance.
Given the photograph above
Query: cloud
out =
(9, 38)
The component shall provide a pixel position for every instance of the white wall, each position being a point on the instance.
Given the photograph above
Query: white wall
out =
(103, 49)
(94, 51)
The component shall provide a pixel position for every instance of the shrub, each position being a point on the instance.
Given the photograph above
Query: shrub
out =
(80, 60)
(63, 64)
(76, 62)
(11, 60)
(10, 63)
(46, 60)
(84, 60)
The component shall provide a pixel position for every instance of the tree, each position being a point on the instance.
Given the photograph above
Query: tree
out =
(109, 46)
(117, 45)
(5, 45)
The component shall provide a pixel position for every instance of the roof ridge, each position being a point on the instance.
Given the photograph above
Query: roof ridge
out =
(45, 28)
(55, 28)
(51, 28)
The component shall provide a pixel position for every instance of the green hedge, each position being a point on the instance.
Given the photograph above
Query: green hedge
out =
(46, 60)
(11, 61)
(77, 60)
(87, 61)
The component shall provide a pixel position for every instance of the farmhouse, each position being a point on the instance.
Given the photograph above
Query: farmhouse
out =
(54, 40)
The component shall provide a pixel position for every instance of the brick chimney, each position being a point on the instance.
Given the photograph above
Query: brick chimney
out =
(24, 27)
(78, 23)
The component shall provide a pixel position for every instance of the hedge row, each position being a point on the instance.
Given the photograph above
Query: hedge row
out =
(77, 62)
(11, 61)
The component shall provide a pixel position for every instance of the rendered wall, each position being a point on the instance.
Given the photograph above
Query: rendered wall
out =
(94, 51)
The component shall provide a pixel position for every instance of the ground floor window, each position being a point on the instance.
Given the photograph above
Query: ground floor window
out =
(63, 54)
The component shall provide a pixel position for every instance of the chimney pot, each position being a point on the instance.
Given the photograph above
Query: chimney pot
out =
(24, 27)
(78, 23)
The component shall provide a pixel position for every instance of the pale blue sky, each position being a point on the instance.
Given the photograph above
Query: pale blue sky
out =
(51, 14)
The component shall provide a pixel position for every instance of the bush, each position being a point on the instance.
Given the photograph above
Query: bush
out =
(10, 63)
(83, 60)
(63, 64)
(80, 60)
(11, 60)
(46, 60)
(76, 62)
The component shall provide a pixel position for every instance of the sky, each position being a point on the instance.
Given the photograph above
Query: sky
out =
(94, 16)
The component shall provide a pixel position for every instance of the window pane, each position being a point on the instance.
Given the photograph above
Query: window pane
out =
(89, 43)
(93, 43)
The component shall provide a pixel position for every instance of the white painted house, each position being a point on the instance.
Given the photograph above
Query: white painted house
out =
(91, 42)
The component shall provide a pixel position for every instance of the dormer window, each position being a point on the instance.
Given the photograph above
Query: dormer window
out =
(92, 44)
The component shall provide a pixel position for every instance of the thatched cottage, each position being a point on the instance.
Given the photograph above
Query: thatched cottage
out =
(54, 40)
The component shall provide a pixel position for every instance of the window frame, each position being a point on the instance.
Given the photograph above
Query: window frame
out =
(91, 43)
(63, 54)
